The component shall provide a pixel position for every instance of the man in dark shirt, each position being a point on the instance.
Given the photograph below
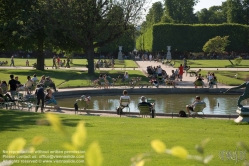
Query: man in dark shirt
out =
(144, 103)
(12, 85)
(39, 92)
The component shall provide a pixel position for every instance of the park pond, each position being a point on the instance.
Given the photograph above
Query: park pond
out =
(215, 104)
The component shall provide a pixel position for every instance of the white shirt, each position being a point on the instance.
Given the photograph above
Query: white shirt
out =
(126, 76)
(34, 79)
(124, 97)
(159, 70)
(210, 77)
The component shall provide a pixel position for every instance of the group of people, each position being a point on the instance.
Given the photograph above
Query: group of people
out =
(125, 100)
(211, 80)
(159, 75)
(57, 62)
(104, 64)
(32, 83)
(104, 81)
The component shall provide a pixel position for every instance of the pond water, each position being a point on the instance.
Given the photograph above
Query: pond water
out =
(215, 104)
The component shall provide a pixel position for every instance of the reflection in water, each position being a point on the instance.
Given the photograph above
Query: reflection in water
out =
(216, 104)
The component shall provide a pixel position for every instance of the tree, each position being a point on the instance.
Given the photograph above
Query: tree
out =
(154, 16)
(217, 44)
(90, 24)
(235, 12)
(213, 15)
(181, 11)
(25, 24)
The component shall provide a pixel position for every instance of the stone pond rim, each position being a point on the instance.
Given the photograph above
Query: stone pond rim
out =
(137, 91)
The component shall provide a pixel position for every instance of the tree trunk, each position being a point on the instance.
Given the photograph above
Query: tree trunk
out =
(90, 59)
(40, 55)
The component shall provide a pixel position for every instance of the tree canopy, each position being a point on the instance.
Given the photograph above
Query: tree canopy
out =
(67, 25)
(217, 44)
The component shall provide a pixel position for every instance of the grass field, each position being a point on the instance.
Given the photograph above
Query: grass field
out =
(229, 78)
(132, 64)
(213, 63)
(78, 78)
(75, 62)
(68, 78)
(120, 139)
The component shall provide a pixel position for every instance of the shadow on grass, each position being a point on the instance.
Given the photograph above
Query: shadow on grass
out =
(73, 122)
(11, 120)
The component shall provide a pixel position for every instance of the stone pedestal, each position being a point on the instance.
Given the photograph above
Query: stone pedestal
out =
(243, 114)
(168, 57)
(120, 54)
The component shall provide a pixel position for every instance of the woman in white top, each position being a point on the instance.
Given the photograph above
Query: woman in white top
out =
(126, 101)
(29, 85)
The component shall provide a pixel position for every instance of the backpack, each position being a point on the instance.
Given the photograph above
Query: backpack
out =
(182, 113)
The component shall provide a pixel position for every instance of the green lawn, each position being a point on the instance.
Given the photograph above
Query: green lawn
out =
(213, 63)
(69, 78)
(120, 139)
(228, 77)
(75, 62)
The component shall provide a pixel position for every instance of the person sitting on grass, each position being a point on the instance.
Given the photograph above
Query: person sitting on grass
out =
(49, 99)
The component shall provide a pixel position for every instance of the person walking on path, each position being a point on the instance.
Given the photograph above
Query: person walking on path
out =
(12, 61)
(180, 72)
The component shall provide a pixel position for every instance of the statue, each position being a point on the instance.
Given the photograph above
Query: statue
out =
(245, 95)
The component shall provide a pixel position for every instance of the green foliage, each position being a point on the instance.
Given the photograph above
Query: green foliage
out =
(238, 60)
(213, 15)
(177, 151)
(145, 41)
(93, 154)
(181, 11)
(217, 44)
(192, 37)
(113, 141)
